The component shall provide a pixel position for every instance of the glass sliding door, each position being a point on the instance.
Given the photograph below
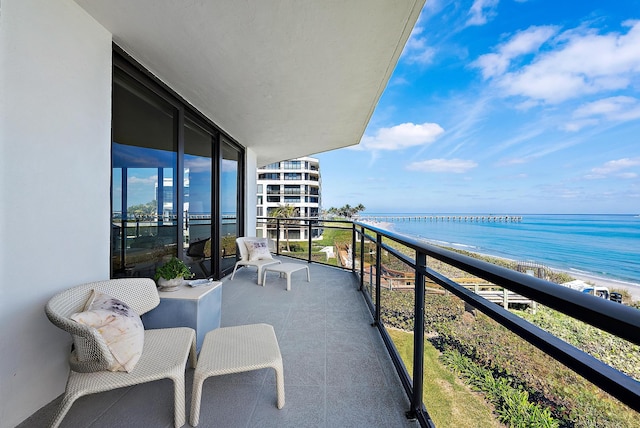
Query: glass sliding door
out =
(197, 185)
(176, 180)
(144, 159)
(230, 197)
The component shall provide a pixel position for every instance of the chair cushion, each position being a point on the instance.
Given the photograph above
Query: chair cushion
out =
(119, 325)
(258, 250)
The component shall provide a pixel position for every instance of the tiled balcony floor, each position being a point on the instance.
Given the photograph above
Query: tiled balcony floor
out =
(337, 371)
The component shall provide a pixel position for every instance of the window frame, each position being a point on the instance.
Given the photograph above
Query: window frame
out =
(124, 63)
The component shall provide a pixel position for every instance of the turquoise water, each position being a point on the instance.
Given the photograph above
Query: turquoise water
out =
(606, 246)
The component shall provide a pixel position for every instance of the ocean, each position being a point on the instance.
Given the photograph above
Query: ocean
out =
(604, 246)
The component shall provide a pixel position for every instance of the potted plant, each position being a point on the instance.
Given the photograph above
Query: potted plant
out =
(172, 274)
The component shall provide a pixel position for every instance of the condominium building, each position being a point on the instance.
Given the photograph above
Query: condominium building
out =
(293, 182)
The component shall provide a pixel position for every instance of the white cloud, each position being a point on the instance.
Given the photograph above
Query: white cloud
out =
(198, 164)
(611, 109)
(576, 62)
(628, 175)
(576, 125)
(523, 43)
(229, 165)
(481, 11)
(616, 167)
(457, 166)
(402, 136)
(153, 179)
(531, 152)
(416, 50)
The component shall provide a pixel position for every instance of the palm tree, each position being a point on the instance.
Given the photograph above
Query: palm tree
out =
(346, 211)
(285, 212)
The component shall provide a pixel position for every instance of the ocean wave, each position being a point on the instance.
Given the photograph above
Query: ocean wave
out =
(455, 244)
(445, 243)
(584, 272)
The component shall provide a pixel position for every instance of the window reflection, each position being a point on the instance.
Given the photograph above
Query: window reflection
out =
(198, 153)
(229, 197)
(159, 210)
(144, 217)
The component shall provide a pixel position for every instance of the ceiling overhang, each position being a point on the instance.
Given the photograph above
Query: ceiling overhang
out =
(283, 78)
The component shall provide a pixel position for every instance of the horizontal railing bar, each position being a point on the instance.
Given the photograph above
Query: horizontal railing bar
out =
(601, 374)
(617, 319)
(620, 320)
(406, 259)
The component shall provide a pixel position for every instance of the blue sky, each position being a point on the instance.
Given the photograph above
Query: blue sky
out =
(504, 106)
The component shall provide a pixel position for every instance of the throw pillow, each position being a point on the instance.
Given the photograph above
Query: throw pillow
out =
(118, 324)
(258, 250)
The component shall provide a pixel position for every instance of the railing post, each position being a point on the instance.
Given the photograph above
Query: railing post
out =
(378, 278)
(353, 251)
(418, 338)
(310, 229)
(362, 259)
(505, 298)
(277, 236)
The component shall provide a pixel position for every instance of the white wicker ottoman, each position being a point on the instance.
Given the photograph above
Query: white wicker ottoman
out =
(285, 269)
(233, 350)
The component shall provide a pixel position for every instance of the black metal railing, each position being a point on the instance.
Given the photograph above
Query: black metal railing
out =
(359, 239)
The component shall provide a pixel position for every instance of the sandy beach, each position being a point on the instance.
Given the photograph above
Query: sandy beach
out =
(611, 284)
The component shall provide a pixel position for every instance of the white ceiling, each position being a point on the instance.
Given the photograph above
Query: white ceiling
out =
(286, 78)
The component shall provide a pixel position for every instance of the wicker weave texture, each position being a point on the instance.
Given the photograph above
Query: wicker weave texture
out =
(233, 350)
(90, 350)
(164, 354)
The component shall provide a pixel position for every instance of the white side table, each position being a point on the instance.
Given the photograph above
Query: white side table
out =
(286, 269)
(197, 307)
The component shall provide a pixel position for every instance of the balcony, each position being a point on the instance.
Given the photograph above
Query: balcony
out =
(337, 371)
(389, 267)
(341, 371)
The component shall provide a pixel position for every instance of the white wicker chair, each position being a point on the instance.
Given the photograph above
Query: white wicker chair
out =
(164, 354)
(244, 257)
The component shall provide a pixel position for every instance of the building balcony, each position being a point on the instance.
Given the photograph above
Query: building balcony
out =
(421, 289)
(337, 371)
(337, 335)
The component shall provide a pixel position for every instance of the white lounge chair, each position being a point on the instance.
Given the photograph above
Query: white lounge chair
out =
(164, 354)
(243, 252)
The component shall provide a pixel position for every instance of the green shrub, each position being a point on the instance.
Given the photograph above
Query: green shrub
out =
(512, 404)
(568, 397)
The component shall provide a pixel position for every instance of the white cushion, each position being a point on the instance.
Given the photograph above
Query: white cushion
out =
(258, 249)
(118, 324)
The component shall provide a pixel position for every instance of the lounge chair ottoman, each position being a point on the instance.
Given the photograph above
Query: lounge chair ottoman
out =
(238, 349)
(285, 269)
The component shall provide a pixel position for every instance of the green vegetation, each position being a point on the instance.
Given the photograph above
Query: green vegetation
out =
(174, 268)
(450, 403)
(616, 352)
(346, 211)
(286, 213)
(334, 234)
(143, 211)
(569, 398)
(512, 403)
(526, 386)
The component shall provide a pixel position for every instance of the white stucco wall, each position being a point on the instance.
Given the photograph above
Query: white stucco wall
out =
(55, 125)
